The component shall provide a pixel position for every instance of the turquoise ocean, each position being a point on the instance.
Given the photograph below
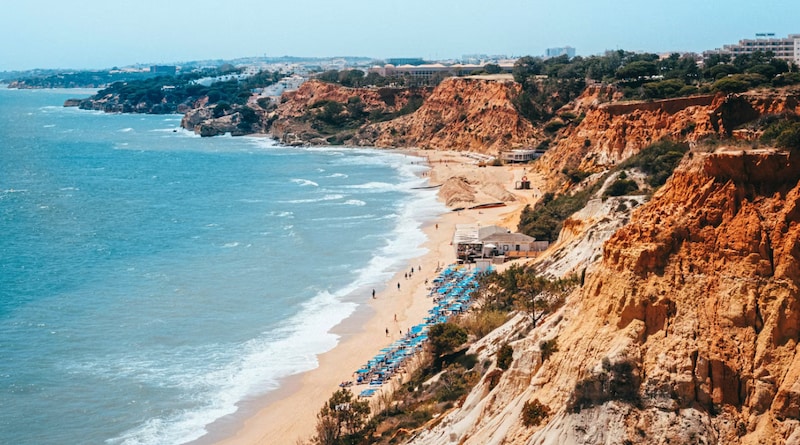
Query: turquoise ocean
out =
(151, 280)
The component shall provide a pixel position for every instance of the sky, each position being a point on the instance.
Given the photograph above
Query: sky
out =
(97, 34)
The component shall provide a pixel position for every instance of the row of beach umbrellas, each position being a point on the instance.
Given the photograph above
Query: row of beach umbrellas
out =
(452, 293)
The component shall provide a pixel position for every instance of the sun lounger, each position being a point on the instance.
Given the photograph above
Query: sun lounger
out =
(366, 393)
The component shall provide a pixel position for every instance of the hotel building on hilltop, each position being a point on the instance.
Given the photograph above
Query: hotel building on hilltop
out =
(560, 51)
(426, 72)
(786, 48)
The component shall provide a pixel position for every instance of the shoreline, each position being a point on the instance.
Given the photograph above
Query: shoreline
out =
(289, 412)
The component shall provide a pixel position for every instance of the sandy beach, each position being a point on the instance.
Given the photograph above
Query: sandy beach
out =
(289, 414)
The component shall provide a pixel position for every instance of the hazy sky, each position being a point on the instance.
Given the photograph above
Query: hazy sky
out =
(106, 33)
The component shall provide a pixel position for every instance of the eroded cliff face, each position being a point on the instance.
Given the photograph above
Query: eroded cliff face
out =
(687, 331)
(611, 131)
(460, 114)
(296, 120)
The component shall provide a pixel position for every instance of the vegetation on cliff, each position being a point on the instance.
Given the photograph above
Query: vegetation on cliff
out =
(78, 79)
(549, 84)
(358, 79)
(172, 94)
(782, 131)
(337, 122)
(545, 219)
(447, 371)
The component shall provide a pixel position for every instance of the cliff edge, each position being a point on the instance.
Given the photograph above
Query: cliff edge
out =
(470, 114)
(694, 319)
(611, 131)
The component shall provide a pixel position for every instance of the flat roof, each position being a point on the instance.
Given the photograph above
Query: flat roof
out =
(467, 234)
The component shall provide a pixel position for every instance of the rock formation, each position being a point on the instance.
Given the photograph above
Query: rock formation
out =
(612, 131)
(296, 120)
(202, 121)
(686, 332)
(460, 114)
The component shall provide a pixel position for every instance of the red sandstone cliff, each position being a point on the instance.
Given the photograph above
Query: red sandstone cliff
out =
(295, 120)
(612, 131)
(460, 114)
(687, 332)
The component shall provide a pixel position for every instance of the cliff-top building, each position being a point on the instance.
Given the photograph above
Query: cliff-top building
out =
(425, 73)
(786, 48)
(560, 51)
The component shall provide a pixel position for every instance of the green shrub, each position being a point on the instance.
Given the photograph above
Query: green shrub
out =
(657, 161)
(265, 103)
(790, 137)
(567, 116)
(575, 175)
(533, 412)
(544, 221)
(505, 356)
(617, 381)
(481, 323)
(221, 109)
(413, 104)
(621, 187)
(730, 85)
(446, 337)
(454, 383)
(467, 361)
(786, 79)
(664, 89)
(548, 348)
(544, 145)
(554, 125)
(783, 132)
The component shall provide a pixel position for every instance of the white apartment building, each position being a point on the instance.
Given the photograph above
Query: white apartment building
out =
(786, 48)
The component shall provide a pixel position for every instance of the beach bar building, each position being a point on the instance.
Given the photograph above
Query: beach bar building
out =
(467, 242)
(473, 242)
(521, 155)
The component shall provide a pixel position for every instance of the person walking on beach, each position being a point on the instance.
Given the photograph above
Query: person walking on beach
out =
(398, 285)
(387, 332)
(373, 293)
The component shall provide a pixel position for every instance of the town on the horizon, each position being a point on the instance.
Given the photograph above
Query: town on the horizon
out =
(299, 68)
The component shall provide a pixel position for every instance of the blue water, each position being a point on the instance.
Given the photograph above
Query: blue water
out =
(151, 279)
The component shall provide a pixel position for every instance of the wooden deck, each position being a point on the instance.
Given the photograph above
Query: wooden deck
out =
(514, 254)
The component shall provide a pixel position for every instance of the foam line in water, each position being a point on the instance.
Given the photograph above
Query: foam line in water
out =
(305, 182)
(256, 366)
(290, 349)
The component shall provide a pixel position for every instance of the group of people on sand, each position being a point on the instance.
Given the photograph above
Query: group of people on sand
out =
(407, 275)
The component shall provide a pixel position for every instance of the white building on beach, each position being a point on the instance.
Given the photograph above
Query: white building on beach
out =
(471, 241)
